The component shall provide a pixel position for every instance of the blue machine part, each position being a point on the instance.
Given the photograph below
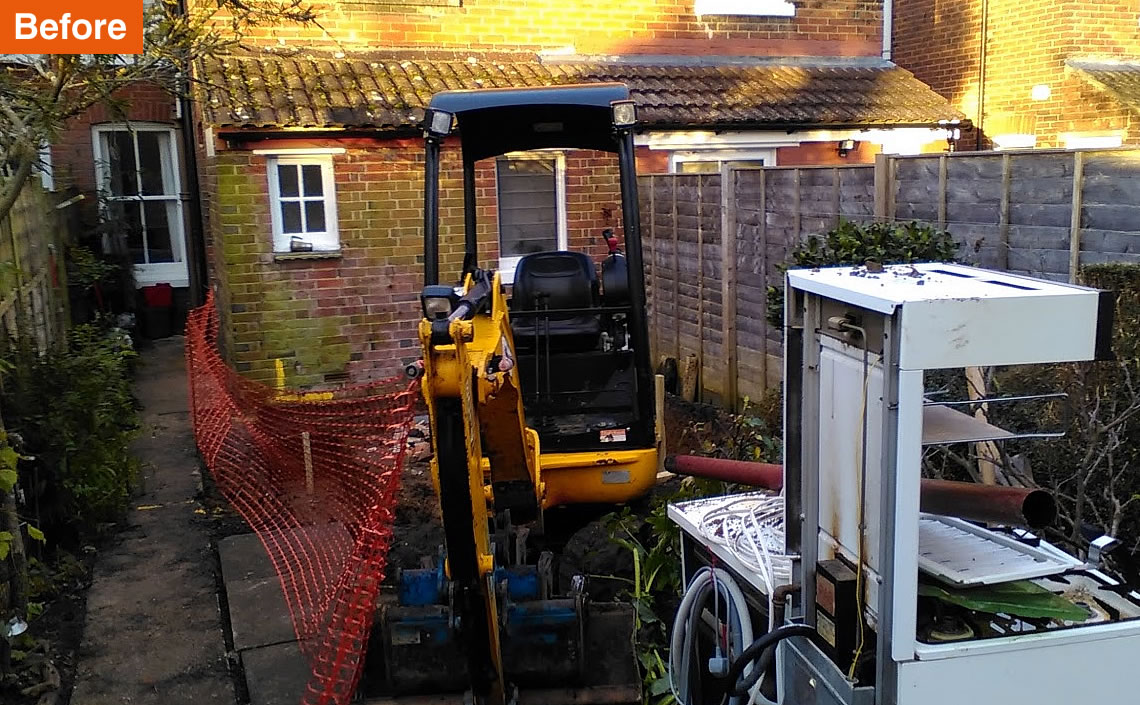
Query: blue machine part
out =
(427, 586)
(522, 582)
(541, 621)
(422, 587)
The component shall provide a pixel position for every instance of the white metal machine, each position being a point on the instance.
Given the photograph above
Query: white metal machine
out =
(858, 346)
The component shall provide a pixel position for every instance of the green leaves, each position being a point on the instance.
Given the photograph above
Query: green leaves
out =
(36, 535)
(8, 479)
(1022, 598)
(5, 544)
(853, 244)
(75, 412)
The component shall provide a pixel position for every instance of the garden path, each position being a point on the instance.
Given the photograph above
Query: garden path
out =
(154, 633)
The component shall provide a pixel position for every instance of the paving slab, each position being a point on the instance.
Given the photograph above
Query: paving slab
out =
(275, 675)
(259, 615)
(243, 558)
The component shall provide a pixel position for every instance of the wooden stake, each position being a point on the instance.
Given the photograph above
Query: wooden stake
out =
(728, 281)
(308, 461)
(942, 192)
(1075, 220)
(988, 456)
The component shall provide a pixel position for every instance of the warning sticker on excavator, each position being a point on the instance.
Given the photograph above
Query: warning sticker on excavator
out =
(612, 435)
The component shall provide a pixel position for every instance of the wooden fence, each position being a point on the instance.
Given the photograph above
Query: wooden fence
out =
(1044, 213)
(33, 309)
(33, 289)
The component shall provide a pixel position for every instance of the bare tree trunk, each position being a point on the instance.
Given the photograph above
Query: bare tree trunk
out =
(10, 522)
(988, 455)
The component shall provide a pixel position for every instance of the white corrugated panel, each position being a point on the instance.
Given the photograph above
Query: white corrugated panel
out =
(964, 554)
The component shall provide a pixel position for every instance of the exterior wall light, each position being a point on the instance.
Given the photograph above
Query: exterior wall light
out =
(952, 131)
(846, 146)
(438, 123)
(624, 113)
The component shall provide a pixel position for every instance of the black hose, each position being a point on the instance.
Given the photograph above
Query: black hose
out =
(742, 684)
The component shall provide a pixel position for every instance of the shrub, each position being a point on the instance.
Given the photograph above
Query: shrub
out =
(1094, 470)
(852, 243)
(74, 415)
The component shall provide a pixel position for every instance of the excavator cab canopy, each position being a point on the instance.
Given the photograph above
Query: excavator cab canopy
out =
(496, 121)
(582, 339)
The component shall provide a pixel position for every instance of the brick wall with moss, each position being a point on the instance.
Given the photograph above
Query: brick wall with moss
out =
(353, 317)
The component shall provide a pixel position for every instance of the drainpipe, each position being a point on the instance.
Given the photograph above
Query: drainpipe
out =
(985, 28)
(195, 238)
(888, 27)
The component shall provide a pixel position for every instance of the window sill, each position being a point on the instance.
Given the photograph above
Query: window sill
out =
(745, 8)
(290, 256)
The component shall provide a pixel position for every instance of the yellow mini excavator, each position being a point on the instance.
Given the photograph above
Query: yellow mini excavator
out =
(540, 397)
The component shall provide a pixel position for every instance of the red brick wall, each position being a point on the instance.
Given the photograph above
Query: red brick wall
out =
(1027, 44)
(73, 161)
(820, 27)
(817, 153)
(358, 313)
(650, 161)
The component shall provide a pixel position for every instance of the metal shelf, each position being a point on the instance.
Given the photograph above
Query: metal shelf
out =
(942, 425)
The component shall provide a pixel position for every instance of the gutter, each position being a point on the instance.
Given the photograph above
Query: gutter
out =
(238, 135)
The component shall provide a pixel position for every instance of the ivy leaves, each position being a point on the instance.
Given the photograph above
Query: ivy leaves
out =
(9, 477)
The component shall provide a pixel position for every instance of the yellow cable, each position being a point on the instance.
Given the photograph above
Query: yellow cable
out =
(862, 518)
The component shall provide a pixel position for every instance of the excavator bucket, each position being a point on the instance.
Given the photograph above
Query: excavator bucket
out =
(555, 651)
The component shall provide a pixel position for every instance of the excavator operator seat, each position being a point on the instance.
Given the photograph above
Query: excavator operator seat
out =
(553, 281)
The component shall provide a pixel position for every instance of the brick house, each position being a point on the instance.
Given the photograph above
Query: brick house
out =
(310, 141)
(132, 165)
(1029, 73)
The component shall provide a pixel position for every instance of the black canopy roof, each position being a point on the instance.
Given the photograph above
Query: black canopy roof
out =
(499, 120)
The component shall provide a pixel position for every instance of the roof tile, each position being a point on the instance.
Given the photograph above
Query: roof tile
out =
(390, 90)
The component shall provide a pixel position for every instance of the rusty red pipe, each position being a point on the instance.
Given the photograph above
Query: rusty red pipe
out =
(1019, 506)
(741, 472)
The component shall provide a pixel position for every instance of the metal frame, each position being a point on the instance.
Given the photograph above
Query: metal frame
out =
(908, 671)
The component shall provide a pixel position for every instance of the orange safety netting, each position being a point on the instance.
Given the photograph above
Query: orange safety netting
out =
(315, 477)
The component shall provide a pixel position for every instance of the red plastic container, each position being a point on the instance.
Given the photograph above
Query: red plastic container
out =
(158, 296)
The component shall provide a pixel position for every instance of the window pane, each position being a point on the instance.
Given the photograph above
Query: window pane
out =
(528, 209)
(291, 216)
(746, 163)
(160, 245)
(151, 149)
(709, 167)
(311, 175)
(125, 225)
(314, 216)
(119, 155)
(287, 179)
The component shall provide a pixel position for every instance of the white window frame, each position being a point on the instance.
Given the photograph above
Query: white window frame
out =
(176, 274)
(753, 8)
(507, 265)
(327, 240)
(676, 159)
